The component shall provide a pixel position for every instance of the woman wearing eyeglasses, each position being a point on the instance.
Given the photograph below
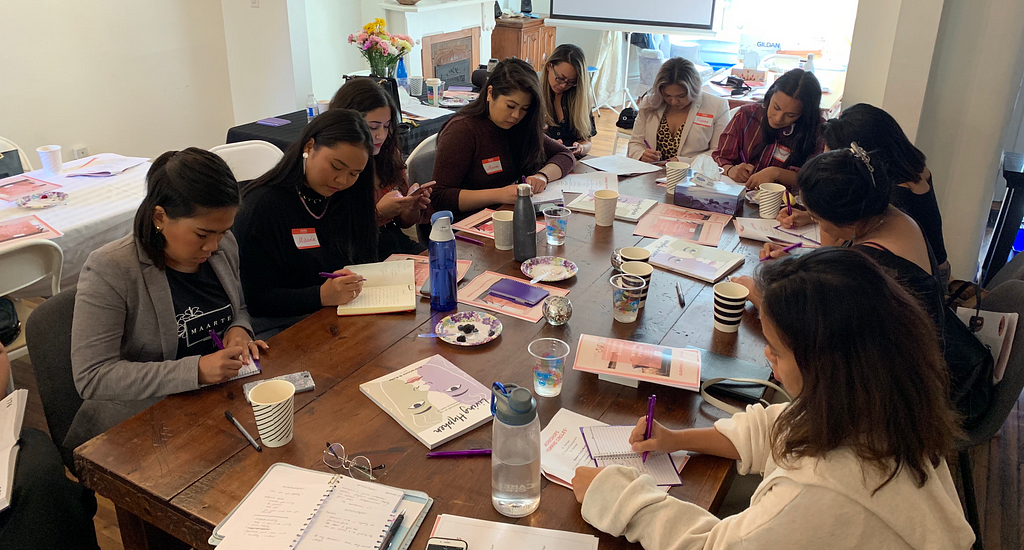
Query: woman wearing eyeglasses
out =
(677, 121)
(568, 113)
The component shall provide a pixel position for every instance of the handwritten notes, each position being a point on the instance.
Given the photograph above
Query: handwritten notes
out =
(276, 511)
(351, 518)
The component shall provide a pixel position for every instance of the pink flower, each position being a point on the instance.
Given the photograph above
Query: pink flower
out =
(366, 46)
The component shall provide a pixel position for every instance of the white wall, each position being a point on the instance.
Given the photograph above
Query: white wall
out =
(136, 78)
(329, 22)
(260, 65)
(974, 82)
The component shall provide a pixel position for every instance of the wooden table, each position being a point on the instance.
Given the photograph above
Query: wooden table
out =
(181, 467)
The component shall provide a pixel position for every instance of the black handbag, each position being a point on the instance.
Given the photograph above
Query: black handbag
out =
(626, 118)
(10, 326)
(970, 362)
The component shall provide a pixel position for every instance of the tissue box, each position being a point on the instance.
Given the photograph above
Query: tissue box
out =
(724, 198)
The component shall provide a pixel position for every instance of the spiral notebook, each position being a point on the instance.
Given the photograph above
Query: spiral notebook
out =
(295, 508)
(609, 445)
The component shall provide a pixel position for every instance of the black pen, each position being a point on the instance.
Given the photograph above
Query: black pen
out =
(391, 531)
(248, 437)
(679, 294)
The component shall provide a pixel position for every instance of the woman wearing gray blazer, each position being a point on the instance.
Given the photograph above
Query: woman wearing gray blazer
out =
(147, 303)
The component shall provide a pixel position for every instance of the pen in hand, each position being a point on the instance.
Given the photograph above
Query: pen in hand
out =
(650, 422)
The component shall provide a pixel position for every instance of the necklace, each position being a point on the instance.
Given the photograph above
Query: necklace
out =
(870, 231)
(302, 198)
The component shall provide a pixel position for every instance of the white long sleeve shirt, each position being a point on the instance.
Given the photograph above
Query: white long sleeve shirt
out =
(810, 503)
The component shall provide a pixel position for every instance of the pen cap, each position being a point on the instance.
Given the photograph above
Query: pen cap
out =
(516, 408)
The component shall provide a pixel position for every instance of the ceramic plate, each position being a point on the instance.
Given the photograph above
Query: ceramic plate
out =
(752, 196)
(468, 328)
(42, 200)
(558, 269)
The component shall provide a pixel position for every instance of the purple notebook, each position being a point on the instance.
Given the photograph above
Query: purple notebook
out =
(518, 292)
(273, 121)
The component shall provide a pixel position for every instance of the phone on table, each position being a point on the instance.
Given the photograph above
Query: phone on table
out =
(438, 543)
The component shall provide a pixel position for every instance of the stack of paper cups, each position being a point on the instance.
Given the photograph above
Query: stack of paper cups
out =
(642, 270)
(49, 155)
(605, 203)
(416, 85)
(675, 172)
(769, 198)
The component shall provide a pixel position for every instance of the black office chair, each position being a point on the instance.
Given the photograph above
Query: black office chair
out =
(1007, 298)
(48, 333)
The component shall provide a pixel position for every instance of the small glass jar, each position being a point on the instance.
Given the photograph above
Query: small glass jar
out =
(557, 310)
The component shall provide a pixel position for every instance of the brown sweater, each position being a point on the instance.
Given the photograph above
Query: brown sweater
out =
(465, 144)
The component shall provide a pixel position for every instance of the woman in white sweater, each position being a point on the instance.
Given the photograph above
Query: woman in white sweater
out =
(855, 461)
(677, 121)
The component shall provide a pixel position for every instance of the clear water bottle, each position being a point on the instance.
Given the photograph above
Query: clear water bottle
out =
(401, 75)
(524, 225)
(443, 277)
(515, 451)
(311, 108)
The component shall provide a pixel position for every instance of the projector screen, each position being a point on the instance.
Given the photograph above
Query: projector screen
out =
(691, 14)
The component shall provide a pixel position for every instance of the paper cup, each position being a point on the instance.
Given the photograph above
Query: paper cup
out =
(642, 270)
(626, 291)
(434, 90)
(502, 222)
(605, 203)
(273, 404)
(769, 198)
(730, 301)
(675, 172)
(634, 254)
(49, 155)
(415, 85)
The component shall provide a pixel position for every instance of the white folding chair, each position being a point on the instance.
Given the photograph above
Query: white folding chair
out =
(421, 161)
(22, 265)
(625, 134)
(7, 145)
(249, 160)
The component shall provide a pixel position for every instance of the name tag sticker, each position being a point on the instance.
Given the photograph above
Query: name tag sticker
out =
(781, 153)
(492, 165)
(704, 120)
(305, 238)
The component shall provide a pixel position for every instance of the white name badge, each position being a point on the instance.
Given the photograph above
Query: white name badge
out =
(305, 238)
(781, 153)
(492, 165)
(704, 120)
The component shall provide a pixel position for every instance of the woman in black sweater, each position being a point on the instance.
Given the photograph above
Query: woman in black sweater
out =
(311, 213)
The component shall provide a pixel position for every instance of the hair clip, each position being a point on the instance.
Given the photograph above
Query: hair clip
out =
(863, 156)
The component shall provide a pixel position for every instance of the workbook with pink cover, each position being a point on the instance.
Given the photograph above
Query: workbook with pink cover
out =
(676, 367)
(481, 224)
(696, 226)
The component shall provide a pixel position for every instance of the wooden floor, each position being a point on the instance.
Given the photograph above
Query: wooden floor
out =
(998, 464)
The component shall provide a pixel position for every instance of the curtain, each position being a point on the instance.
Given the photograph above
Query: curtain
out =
(610, 65)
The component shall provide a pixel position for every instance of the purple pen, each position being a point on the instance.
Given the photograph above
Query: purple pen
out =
(470, 452)
(789, 205)
(220, 345)
(779, 228)
(468, 240)
(787, 249)
(334, 275)
(650, 422)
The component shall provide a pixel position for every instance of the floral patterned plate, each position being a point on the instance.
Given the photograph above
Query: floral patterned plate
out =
(558, 269)
(45, 199)
(468, 328)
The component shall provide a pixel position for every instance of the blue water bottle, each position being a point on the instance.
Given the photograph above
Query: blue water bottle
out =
(443, 276)
(401, 75)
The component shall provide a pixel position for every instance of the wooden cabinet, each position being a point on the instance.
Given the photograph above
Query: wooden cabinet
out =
(526, 38)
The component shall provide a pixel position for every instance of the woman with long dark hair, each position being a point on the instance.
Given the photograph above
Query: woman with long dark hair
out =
(490, 145)
(769, 141)
(396, 208)
(146, 303)
(856, 460)
(568, 113)
(312, 213)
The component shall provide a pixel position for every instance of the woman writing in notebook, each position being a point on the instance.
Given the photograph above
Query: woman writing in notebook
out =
(567, 109)
(396, 206)
(856, 459)
(881, 136)
(146, 303)
(769, 141)
(312, 213)
(493, 144)
(677, 121)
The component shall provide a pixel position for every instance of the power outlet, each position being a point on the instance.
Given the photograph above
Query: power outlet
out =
(81, 152)
(254, 3)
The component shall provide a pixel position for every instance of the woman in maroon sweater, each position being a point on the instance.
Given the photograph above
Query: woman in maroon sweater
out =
(492, 143)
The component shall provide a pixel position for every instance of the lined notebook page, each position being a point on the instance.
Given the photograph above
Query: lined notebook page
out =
(354, 517)
(609, 445)
(382, 296)
(276, 511)
(386, 273)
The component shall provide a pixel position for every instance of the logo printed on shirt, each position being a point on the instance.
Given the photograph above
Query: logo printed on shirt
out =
(492, 165)
(305, 238)
(781, 153)
(704, 120)
(194, 325)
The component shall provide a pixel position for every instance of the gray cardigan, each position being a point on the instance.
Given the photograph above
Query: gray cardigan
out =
(124, 337)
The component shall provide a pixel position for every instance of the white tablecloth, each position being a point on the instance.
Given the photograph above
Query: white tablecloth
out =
(98, 210)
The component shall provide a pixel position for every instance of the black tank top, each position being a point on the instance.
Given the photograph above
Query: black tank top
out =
(924, 208)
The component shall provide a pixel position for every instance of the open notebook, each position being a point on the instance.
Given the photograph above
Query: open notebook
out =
(389, 287)
(295, 508)
(609, 445)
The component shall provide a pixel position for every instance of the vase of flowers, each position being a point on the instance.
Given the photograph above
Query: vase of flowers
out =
(380, 48)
